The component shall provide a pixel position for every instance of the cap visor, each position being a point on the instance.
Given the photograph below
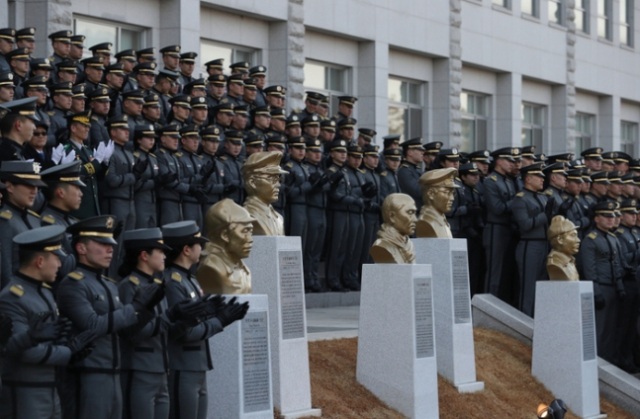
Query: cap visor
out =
(104, 240)
(61, 253)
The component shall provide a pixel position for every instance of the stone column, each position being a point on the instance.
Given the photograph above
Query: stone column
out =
(561, 134)
(47, 16)
(180, 25)
(373, 85)
(571, 76)
(508, 111)
(609, 122)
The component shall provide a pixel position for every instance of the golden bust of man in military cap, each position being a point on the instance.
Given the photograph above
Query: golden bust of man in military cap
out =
(399, 222)
(262, 177)
(563, 235)
(230, 231)
(438, 189)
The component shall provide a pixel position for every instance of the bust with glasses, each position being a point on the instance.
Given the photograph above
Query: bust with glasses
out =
(438, 193)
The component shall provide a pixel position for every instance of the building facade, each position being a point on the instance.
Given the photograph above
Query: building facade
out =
(560, 74)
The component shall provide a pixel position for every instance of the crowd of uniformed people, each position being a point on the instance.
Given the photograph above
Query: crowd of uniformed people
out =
(109, 164)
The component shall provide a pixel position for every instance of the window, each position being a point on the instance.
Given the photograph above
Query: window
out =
(581, 18)
(532, 125)
(555, 11)
(474, 121)
(503, 3)
(584, 132)
(97, 31)
(604, 21)
(327, 79)
(405, 108)
(231, 53)
(530, 7)
(628, 137)
(626, 19)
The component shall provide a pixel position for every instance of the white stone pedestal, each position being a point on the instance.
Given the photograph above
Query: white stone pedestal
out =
(240, 383)
(276, 270)
(565, 356)
(452, 304)
(396, 342)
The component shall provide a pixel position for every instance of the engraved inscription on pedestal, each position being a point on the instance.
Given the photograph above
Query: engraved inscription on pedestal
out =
(588, 327)
(461, 297)
(291, 294)
(255, 362)
(423, 317)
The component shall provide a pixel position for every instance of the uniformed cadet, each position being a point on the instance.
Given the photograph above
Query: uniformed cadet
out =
(311, 102)
(170, 188)
(36, 87)
(22, 180)
(373, 201)
(316, 215)
(345, 108)
(598, 190)
(515, 170)
(359, 192)
(278, 143)
(223, 114)
(151, 111)
(147, 181)
(294, 129)
(61, 43)
(114, 79)
(162, 87)
(528, 155)
(195, 88)
(213, 181)
(602, 265)
(576, 212)
(388, 141)
(7, 43)
(555, 181)
(29, 376)
(608, 163)
(192, 171)
(171, 58)
(40, 67)
(100, 104)
(146, 55)
(451, 158)
(346, 127)
(93, 70)
(132, 103)
(622, 160)
(145, 77)
(17, 126)
(409, 171)
(498, 238)
(431, 151)
(78, 99)
(259, 75)
(481, 159)
(241, 68)
(323, 109)
(215, 67)
(628, 187)
(253, 143)
(614, 189)
(235, 89)
(278, 121)
(528, 210)
(216, 87)
(199, 111)
(275, 96)
(232, 166)
(584, 190)
(593, 158)
(180, 110)
(7, 87)
(61, 95)
(189, 353)
(297, 185)
(18, 60)
(90, 300)
(76, 51)
(261, 120)
(473, 225)
(250, 94)
(365, 136)
(311, 126)
(187, 64)
(389, 177)
(127, 58)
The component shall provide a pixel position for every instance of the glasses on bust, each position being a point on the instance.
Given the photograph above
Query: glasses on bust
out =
(273, 179)
(40, 134)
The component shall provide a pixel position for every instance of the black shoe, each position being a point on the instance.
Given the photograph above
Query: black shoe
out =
(353, 286)
(315, 288)
(336, 287)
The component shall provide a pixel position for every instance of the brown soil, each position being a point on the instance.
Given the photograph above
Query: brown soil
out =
(503, 363)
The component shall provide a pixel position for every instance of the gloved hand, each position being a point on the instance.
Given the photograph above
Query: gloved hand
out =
(108, 151)
(187, 311)
(233, 311)
(145, 296)
(69, 157)
(168, 177)
(622, 294)
(140, 167)
(99, 152)
(6, 329)
(336, 176)
(200, 195)
(43, 330)
(598, 301)
(230, 188)
(207, 169)
(564, 208)
(57, 154)
(118, 229)
(548, 210)
(314, 177)
(79, 341)
(214, 304)
(369, 190)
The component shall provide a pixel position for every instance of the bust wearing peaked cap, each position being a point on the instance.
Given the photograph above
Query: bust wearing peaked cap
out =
(438, 195)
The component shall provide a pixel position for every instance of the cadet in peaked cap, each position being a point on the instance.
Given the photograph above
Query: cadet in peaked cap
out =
(146, 55)
(7, 42)
(278, 113)
(171, 50)
(392, 154)
(311, 121)
(61, 43)
(253, 143)
(188, 57)
(275, 90)
(412, 144)
(327, 125)
(556, 180)
(195, 87)
(621, 161)
(11, 110)
(409, 171)
(40, 67)
(7, 80)
(608, 162)
(449, 157)
(21, 173)
(594, 153)
(26, 38)
(215, 67)
(126, 55)
(78, 92)
(171, 58)
(345, 108)
(240, 67)
(346, 127)
(276, 142)
(431, 151)
(67, 173)
(600, 177)
(199, 110)
(18, 54)
(77, 46)
(505, 153)
(433, 147)
(187, 64)
(634, 165)
(114, 69)
(562, 158)
(102, 50)
(469, 169)
(258, 71)
(480, 156)
(294, 120)
(66, 70)
(365, 136)
(388, 141)
(528, 155)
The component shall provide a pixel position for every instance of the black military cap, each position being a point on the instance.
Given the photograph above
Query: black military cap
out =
(311, 121)
(627, 178)
(148, 53)
(236, 78)
(328, 125)
(278, 113)
(275, 90)
(537, 169)
(313, 145)
(234, 136)
(198, 102)
(634, 164)
(146, 68)
(28, 34)
(171, 130)
(126, 55)
(609, 157)
(325, 102)
(529, 151)
(171, 50)
(468, 169)
(629, 205)
(136, 95)
(622, 157)
(241, 65)
(60, 36)
(586, 175)
(144, 130)
(188, 57)
(68, 66)
(600, 177)
(367, 133)
(541, 157)
(387, 140)
(276, 140)
(555, 168)
(413, 144)
(258, 70)
(182, 233)
(218, 80)
(62, 88)
(371, 150)
(348, 100)
(506, 153)
(117, 121)
(172, 76)
(18, 54)
(102, 48)
(42, 239)
(78, 40)
(144, 238)
(562, 158)
(24, 107)
(433, 147)
(480, 156)
(223, 108)
(636, 180)
(197, 84)
(35, 83)
(262, 111)
(116, 68)
(347, 123)
(78, 91)
(615, 176)
(241, 110)
(450, 154)
(210, 133)
(99, 94)
(63, 173)
(577, 164)
(293, 120)
(190, 130)
(253, 139)
(152, 101)
(94, 62)
(21, 172)
(40, 64)
(297, 142)
(338, 145)
(98, 228)
(575, 175)
(392, 154)
(217, 63)
(314, 97)
(605, 208)
(517, 153)
(181, 100)
(594, 153)
(6, 79)
(250, 84)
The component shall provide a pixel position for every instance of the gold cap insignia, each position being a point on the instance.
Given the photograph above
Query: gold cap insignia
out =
(36, 167)
(125, 118)
(10, 76)
(104, 91)
(109, 223)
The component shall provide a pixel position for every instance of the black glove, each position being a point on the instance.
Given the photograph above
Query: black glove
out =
(6, 329)
(359, 202)
(187, 311)
(232, 312)
(139, 168)
(230, 188)
(215, 304)
(336, 176)
(146, 296)
(80, 341)
(371, 190)
(207, 169)
(474, 209)
(166, 178)
(200, 195)
(548, 210)
(43, 330)
(314, 177)
(564, 208)
(622, 294)
(598, 301)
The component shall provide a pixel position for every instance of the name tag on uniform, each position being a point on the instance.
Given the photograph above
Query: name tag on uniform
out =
(98, 297)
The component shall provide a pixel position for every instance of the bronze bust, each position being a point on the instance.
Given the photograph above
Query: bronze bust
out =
(563, 235)
(262, 178)
(399, 222)
(438, 195)
(229, 229)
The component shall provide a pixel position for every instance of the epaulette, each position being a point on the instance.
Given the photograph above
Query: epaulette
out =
(153, 155)
(612, 235)
(223, 157)
(134, 280)
(405, 165)
(336, 116)
(35, 214)
(94, 118)
(548, 192)
(520, 194)
(6, 214)
(109, 279)
(199, 156)
(458, 179)
(593, 235)
(178, 154)
(47, 286)
(74, 219)
(225, 100)
(158, 281)
(620, 231)
(17, 290)
(634, 231)
(51, 58)
(332, 169)
(68, 147)
(493, 177)
(136, 154)
(296, 111)
(162, 151)
(51, 113)
(176, 276)
(49, 219)
(290, 164)
(305, 166)
(76, 275)
(383, 173)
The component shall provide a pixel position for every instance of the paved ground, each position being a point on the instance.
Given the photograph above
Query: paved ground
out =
(332, 323)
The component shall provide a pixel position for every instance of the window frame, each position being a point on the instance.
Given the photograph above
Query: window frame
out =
(332, 94)
(410, 130)
(624, 142)
(535, 8)
(477, 119)
(608, 10)
(628, 24)
(586, 15)
(119, 26)
(255, 55)
(534, 126)
(561, 8)
(581, 134)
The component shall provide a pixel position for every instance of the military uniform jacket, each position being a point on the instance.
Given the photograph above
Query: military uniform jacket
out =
(472, 224)
(297, 182)
(317, 195)
(89, 172)
(214, 185)
(189, 351)
(10, 150)
(628, 238)
(30, 153)
(601, 261)
(556, 195)
(23, 300)
(168, 163)
(408, 177)
(58, 121)
(338, 117)
(374, 203)
(528, 212)
(608, 198)
(232, 167)
(190, 166)
(98, 132)
(165, 106)
(13, 221)
(389, 183)
(340, 197)
(577, 212)
(54, 216)
(185, 79)
(458, 208)
(130, 83)
(499, 192)
(4, 65)
(91, 301)
(356, 178)
(120, 179)
(145, 187)
(237, 101)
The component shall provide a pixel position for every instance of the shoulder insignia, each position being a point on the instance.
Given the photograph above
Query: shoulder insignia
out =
(152, 155)
(520, 194)
(136, 154)
(620, 231)
(199, 156)
(74, 219)
(493, 177)
(158, 281)
(223, 157)
(162, 151)
(383, 174)
(47, 286)
(6, 214)
(332, 169)
(634, 231)
(176, 276)
(178, 154)
(134, 280)
(362, 171)
(610, 233)
(35, 214)
(94, 118)
(49, 219)
(76, 275)
(593, 235)
(290, 164)
(109, 279)
(405, 165)
(17, 290)
(51, 113)
(548, 192)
